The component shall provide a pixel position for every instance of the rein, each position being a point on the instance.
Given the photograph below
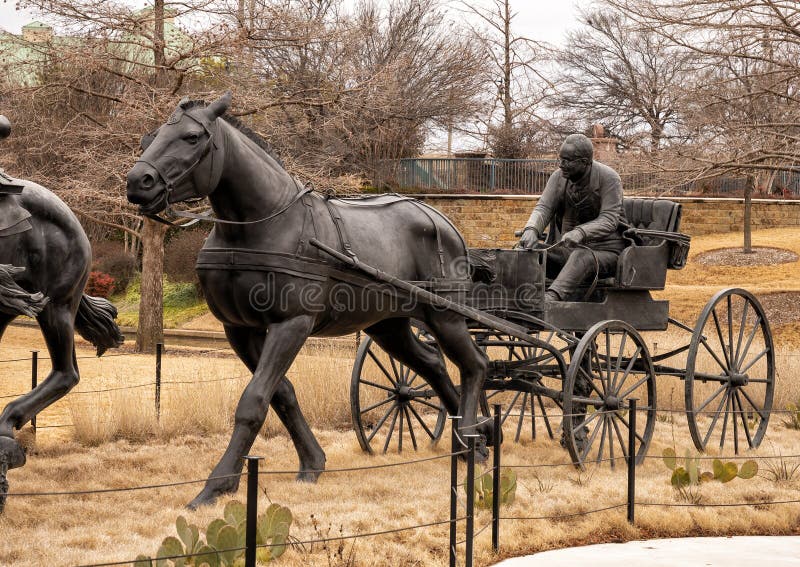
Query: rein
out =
(306, 189)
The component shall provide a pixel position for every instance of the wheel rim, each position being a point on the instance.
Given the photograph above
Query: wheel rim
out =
(525, 410)
(730, 372)
(610, 365)
(392, 407)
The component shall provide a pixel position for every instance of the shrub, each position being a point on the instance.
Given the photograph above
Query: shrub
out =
(109, 256)
(100, 284)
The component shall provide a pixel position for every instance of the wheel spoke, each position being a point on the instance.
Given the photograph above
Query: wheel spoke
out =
(400, 433)
(633, 388)
(710, 399)
(756, 359)
(590, 381)
(591, 439)
(585, 422)
(380, 423)
(602, 440)
(382, 367)
(750, 338)
(398, 374)
(716, 417)
(704, 342)
(379, 404)
(391, 430)
(410, 428)
(511, 406)
(622, 441)
(730, 330)
(426, 403)
(759, 411)
(721, 340)
(614, 387)
(421, 421)
(521, 417)
(745, 426)
(610, 441)
(741, 333)
(596, 356)
(725, 422)
(608, 357)
(379, 386)
(628, 425)
(544, 416)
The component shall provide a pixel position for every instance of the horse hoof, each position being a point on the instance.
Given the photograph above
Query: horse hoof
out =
(11, 453)
(310, 477)
(202, 499)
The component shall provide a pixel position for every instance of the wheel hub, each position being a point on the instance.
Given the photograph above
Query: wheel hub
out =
(403, 394)
(612, 403)
(737, 379)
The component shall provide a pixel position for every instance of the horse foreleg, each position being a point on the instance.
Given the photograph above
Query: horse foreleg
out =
(248, 343)
(281, 345)
(56, 322)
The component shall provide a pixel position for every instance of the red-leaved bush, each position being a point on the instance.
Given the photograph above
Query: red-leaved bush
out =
(100, 284)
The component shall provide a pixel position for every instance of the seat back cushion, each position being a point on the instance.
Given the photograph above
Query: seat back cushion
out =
(653, 214)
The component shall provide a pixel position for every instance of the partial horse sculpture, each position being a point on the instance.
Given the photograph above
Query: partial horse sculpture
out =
(272, 289)
(44, 264)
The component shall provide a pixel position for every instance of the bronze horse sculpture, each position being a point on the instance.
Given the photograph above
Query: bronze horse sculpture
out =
(272, 289)
(45, 259)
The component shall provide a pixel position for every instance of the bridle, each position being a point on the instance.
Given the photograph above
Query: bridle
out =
(180, 188)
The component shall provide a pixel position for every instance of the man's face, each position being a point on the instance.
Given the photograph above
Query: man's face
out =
(572, 163)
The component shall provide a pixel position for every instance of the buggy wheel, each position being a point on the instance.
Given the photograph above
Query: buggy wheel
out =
(730, 372)
(392, 407)
(610, 365)
(527, 370)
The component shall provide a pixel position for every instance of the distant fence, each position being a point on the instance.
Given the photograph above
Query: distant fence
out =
(529, 177)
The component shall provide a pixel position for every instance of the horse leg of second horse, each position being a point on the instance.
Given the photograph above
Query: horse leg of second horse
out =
(281, 345)
(56, 322)
(248, 344)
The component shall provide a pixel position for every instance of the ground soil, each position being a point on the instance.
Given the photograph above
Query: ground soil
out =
(760, 256)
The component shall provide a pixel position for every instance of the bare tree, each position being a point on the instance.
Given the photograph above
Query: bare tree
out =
(630, 80)
(744, 116)
(517, 72)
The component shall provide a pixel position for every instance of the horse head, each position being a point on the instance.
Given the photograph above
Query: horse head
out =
(5, 127)
(181, 160)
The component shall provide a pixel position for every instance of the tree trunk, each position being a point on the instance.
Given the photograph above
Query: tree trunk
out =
(748, 211)
(508, 116)
(151, 305)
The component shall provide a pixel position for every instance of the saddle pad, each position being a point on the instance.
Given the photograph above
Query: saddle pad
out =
(13, 217)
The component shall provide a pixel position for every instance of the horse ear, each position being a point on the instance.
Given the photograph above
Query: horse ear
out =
(218, 107)
(147, 139)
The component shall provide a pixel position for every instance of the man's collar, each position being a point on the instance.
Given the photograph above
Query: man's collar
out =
(583, 182)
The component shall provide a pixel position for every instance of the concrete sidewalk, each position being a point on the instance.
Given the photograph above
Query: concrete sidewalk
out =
(747, 551)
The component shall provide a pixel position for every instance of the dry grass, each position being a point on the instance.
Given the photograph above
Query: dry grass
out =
(117, 442)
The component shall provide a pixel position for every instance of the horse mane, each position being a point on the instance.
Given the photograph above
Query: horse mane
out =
(251, 134)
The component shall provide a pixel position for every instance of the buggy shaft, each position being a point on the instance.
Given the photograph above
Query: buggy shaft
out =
(428, 297)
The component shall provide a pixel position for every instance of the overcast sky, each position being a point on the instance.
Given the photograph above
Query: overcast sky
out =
(542, 20)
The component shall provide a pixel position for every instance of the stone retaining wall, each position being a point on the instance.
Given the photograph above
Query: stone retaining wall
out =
(490, 220)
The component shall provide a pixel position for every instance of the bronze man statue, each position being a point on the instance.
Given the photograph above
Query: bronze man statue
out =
(584, 198)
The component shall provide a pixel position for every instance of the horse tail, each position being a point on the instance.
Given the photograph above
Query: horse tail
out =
(95, 323)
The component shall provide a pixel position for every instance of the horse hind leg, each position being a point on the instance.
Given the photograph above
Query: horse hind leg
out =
(56, 323)
(248, 344)
(397, 338)
(450, 330)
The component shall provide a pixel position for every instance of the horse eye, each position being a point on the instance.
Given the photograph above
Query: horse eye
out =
(192, 139)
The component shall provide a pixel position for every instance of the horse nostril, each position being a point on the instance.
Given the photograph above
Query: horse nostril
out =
(147, 181)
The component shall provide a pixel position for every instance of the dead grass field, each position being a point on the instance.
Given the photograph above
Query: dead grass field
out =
(116, 442)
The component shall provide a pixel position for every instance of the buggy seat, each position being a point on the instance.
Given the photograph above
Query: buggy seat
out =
(655, 244)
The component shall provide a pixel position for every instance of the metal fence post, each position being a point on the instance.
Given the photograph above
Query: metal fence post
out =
(455, 447)
(496, 481)
(251, 524)
(470, 536)
(34, 379)
(159, 348)
(631, 459)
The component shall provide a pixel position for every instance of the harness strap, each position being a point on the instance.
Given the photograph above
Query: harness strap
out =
(437, 232)
(340, 229)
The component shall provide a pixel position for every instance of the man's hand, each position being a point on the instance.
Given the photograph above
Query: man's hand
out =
(572, 238)
(529, 237)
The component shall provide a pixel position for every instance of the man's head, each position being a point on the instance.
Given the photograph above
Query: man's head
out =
(575, 156)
